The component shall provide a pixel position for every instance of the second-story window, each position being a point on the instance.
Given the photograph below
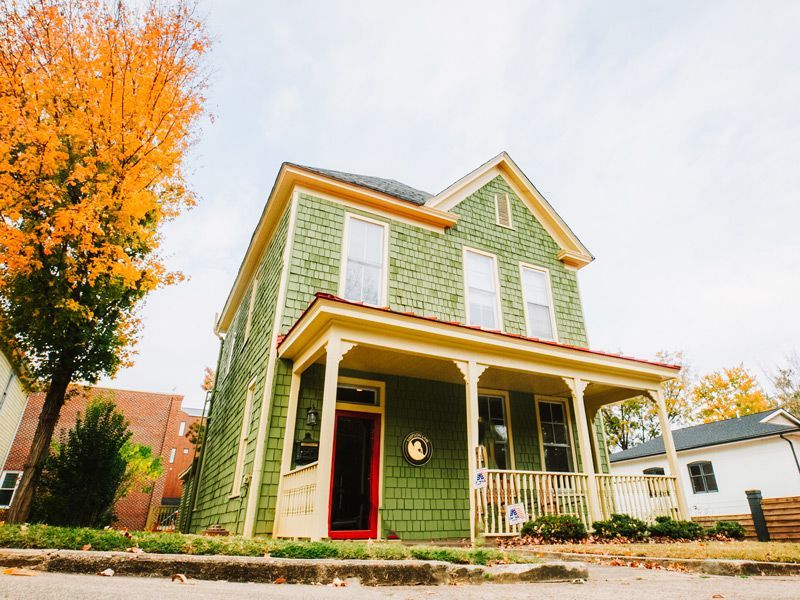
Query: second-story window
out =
(364, 268)
(538, 307)
(481, 284)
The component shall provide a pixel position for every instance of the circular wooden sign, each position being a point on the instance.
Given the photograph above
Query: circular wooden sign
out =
(417, 449)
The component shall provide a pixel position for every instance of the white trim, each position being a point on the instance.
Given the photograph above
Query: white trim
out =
(244, 437)
(380, 409)
(14, 489)
(507, 200)
(182, 428)
(569, 421)
(507, 416)
(269, 379)
(348, 218)
(549, 285)
(172, 454)
(782, 413)
(498, 296)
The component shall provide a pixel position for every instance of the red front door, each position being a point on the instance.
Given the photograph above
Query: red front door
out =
(355, 474)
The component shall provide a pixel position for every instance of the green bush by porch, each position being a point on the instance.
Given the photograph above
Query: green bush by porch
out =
(64, 538)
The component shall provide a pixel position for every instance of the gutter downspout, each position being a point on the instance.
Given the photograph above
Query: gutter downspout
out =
(791, 445)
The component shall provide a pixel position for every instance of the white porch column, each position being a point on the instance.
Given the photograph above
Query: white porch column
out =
(333, 354)
(669, 447)
(472, 372)
(288, 443)
(577, 387)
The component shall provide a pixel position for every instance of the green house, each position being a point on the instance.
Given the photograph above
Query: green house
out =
(404, 365)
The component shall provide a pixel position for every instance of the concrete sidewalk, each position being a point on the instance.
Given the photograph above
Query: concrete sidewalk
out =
(605, 583)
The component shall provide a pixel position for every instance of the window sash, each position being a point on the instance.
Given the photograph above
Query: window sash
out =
(493, 430)
(243, 438)
(8, 487)
(480, 274)
(703, 479)
(536, 294)
(364, 261)
(556, 442)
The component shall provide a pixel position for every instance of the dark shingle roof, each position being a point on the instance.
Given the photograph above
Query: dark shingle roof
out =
(708, 434)
(379, 184)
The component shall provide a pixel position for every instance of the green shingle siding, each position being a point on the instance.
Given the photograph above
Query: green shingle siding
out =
(248, 361)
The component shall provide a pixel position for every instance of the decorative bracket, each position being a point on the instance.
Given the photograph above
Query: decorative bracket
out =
(574, 389)
(463, 366)
(651, 394)
(344, 348)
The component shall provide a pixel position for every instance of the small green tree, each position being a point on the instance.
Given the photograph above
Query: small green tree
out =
(85, 470)
(141, 470)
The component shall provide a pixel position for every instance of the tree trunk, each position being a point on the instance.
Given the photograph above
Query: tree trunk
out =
(40, 449)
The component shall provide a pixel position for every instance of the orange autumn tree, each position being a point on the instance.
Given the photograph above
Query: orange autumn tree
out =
(729, 393)
(98, 106)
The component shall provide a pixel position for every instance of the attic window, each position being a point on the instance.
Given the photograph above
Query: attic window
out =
(503, 207)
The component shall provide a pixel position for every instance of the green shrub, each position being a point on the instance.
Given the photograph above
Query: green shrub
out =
(677, 530)
(452, 555)
(621, 526)
(162, 543)
(389, 552)
(729, 529)
(555, 528)
(304, 550)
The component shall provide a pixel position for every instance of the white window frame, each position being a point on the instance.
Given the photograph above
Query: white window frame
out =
(382, 292)
(244, 435)
(568, 417)
(512, 459)
(504, 197)
(182, 428)
(498, 304)
(249, 323)
(172, 454)
(549, 286)
(16, 485)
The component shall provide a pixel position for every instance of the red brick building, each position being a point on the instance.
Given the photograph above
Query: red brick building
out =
(156, 420)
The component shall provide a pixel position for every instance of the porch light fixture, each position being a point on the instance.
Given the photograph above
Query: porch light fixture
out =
(311, 416)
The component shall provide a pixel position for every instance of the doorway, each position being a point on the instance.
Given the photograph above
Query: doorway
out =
(355, 476)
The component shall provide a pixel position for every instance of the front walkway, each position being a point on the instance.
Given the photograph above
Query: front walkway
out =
(605, 583)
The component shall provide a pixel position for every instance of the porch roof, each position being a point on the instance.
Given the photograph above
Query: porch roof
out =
(327, 310)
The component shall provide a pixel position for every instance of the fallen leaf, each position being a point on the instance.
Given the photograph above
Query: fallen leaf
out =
(280, 580)
(19, 572)
(23, 528)
(86, 547)
(179, 577)
(338, 582)
(718, 596)
(134, 550)
(107, 573)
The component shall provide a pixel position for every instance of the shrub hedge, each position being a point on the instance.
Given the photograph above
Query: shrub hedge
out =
(729, 529)
(621, 526)
(555, 528)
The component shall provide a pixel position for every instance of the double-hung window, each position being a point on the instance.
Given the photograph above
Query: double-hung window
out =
(538, 307)
(556, 445)
(480, 273)
(244, 436)
(9, 480)
(703, 479)
(493, 431)
(365, 257)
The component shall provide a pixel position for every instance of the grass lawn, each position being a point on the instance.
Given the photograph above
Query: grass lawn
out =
(66, 538)
(763, 551)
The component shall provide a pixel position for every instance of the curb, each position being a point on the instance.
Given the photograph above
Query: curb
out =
(268, 570)
(709, 566)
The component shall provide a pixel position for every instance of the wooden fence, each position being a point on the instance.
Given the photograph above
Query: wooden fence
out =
(783, 518)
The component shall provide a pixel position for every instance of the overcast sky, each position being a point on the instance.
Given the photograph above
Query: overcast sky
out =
(666, 134)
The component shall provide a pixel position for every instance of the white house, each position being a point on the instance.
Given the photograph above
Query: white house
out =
(13, 400)
(719, 461)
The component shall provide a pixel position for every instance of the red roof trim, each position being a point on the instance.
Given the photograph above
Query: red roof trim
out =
(386, 309)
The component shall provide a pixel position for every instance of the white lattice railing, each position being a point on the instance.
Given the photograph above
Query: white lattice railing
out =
(296, 504)
(642, 496)
(540, 492)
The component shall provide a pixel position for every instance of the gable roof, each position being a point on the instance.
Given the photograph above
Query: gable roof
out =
(391, 187)
(738, 429)
(573, 252)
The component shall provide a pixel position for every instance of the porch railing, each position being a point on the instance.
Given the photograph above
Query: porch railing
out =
(162, 518)
(642, 496)
(541, 493)
(296, 507)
